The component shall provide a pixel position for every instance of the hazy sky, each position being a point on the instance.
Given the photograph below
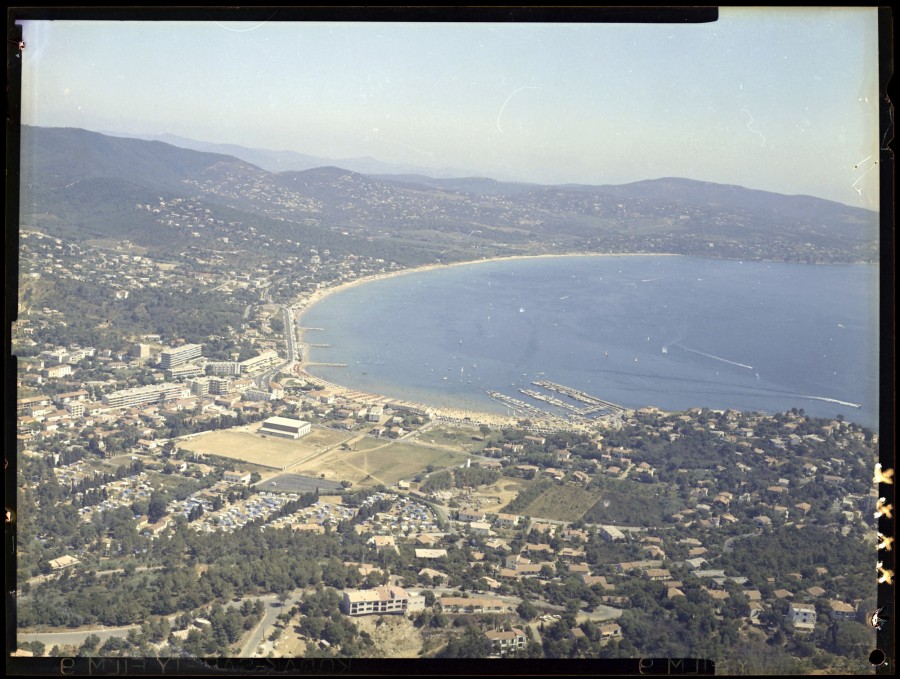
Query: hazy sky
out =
(780, 100)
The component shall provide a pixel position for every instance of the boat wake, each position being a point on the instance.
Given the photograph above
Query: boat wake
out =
(715, 358)
(833, 400)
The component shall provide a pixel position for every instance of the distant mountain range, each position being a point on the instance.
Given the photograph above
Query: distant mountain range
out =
(87, 184)
(286, 161)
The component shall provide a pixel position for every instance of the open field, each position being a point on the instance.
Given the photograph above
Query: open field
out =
(458, 438)
(268, 451)
(384, 461)
(561, 503)
(637, 504)
(504, 489)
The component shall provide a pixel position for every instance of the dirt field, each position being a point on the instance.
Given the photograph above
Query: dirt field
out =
(395, 637)
(384, 461)
(288, 645)
(457, 438)
(243, 444)
(505, 489)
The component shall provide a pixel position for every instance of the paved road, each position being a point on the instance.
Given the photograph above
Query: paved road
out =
(77, 637)
(261, 632)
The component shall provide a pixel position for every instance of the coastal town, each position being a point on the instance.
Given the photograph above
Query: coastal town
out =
(423, 342)
(366, 526)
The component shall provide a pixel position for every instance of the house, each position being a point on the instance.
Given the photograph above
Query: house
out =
(542, 548)
(610, 631)
(755, 609)
(473, 604)
(240, 477)
(802, 616)
(580, 477)
(570, 553)
(383, 542)
(841, 611)
(158, 527)
(431, 573)
(506, 642)
(428, 540)
(63, 562)
(611, 533)
(497, 543)
(363, 568)
(591, 580)
(507, 520)
(471, 515)
(654, 552)
(694, 564)
(480, 528)
(431, 553)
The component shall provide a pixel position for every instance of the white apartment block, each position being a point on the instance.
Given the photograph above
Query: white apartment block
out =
(378, 600)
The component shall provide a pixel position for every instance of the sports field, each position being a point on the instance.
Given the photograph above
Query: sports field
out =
(373, 461)
(267, 451)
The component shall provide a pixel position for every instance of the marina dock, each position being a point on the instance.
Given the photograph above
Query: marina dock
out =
(594, 404)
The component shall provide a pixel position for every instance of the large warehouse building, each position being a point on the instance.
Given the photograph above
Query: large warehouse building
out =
(285, 427)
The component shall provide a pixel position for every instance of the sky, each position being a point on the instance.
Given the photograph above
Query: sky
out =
(772, 99)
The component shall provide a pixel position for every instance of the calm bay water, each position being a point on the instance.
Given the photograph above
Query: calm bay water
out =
(672, 332)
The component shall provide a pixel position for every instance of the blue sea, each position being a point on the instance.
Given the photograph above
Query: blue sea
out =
(671, 332)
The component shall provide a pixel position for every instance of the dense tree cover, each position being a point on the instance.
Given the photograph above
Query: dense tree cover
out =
(470, 644)
(465, 477)
(322, 620)
(257, 561)
(787, 549)
(688, 626)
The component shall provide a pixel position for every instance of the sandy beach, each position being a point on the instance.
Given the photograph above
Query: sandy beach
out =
(440, 413)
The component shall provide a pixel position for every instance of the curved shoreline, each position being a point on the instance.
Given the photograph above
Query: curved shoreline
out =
(475, 416)
(473, 412)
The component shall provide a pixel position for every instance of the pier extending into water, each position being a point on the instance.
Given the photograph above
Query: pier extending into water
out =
(516, 405)
(594, 404)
